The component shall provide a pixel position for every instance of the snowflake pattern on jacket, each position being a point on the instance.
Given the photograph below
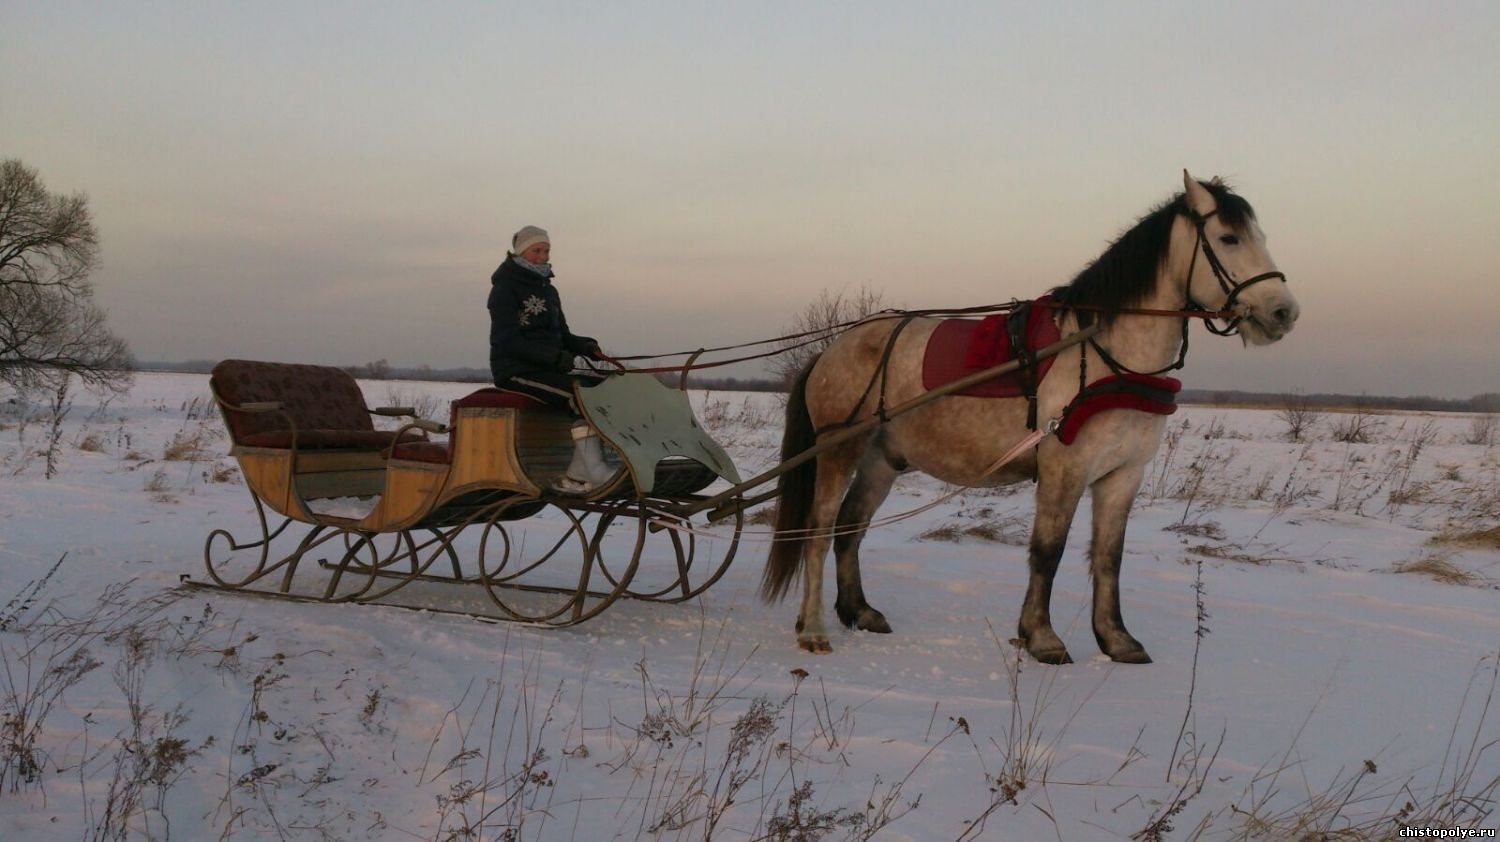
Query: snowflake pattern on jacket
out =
(533, 306)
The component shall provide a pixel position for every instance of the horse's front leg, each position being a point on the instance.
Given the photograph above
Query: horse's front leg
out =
(1113, 496)
(1056, 501)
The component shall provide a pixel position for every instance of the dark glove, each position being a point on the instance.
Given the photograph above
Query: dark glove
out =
(564, 362)
(593, 351)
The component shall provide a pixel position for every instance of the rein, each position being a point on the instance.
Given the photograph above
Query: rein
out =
(1232, 290)
(813, 337)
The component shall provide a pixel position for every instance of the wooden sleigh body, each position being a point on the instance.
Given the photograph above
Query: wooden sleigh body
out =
(442, 499)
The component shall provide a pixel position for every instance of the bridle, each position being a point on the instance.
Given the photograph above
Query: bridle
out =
(1226, 281)
(1232, 290)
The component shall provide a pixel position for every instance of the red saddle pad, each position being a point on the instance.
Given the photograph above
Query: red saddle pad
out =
(960, 347)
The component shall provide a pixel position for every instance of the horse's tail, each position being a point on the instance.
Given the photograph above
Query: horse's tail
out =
(795, 488)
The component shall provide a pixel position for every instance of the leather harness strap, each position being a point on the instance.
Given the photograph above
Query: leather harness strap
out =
(880, 374)
(1015, 329)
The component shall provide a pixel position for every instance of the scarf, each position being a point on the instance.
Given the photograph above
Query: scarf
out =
(543, 269)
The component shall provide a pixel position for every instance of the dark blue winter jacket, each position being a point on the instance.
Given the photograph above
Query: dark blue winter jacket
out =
(528, 331)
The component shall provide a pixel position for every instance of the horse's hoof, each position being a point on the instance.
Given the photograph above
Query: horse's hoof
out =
(1045, 646)
(871, 620)
(816, 645)
(1054, 657)
(1132, 656)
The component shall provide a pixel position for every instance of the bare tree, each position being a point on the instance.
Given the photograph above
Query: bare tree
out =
(1298, 414)
(820, 319)
(49, 324)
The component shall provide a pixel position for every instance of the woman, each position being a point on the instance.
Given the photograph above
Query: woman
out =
(532, 350)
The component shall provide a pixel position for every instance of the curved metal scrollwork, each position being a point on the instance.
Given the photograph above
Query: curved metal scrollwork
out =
(509, 573)
(549, 561)
(690, 575)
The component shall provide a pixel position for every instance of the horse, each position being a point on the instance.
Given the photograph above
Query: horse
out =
(1202, 250)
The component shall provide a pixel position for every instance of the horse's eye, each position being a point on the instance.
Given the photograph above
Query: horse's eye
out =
(1229, 240)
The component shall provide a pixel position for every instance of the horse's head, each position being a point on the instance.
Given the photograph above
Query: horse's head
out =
(1231, 268)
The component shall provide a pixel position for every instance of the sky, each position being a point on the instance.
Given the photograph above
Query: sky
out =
(334, 182)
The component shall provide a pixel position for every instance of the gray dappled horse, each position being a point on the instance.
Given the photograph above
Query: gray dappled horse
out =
(1202, 249)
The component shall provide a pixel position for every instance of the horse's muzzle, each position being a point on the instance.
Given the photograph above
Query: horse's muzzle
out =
(1267, 324)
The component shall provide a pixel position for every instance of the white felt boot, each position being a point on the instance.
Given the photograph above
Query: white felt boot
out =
(588, 469)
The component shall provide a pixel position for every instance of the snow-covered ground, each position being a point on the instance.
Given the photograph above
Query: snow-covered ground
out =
(1323, 617)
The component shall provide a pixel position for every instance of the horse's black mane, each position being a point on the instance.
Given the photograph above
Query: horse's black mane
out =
(1126, 272)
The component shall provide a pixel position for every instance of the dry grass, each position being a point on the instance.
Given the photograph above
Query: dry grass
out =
(955, 533)
(157, 483)
(1231, 553)
(160, 487)
(1439, 569)
(91, 443)
(185, 446)
(1416, 493)
(1487, 539)
(1481, 431)
(1360, 427)
(950, 532)
(1361, 803)
(981, 524)
(1199, 529)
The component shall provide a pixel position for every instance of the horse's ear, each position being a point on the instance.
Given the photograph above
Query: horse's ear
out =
(1199, 199)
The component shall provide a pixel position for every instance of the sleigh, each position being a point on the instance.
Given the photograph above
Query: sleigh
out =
(404, 516)
(470, 502)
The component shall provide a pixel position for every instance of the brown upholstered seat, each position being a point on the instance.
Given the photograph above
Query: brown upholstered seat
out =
(323, 402)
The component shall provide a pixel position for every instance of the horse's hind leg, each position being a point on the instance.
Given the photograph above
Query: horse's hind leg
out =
(1113, 495)
(871, 485)
(1056, 502)
(834, 469)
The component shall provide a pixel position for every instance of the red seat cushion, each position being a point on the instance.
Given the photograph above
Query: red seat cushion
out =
(493, 397)
(439, 453)
(435, 452)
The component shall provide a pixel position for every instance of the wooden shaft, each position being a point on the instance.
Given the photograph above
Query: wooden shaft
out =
(838, 438)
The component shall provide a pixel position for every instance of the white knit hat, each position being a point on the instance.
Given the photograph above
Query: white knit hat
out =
(528, 237)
